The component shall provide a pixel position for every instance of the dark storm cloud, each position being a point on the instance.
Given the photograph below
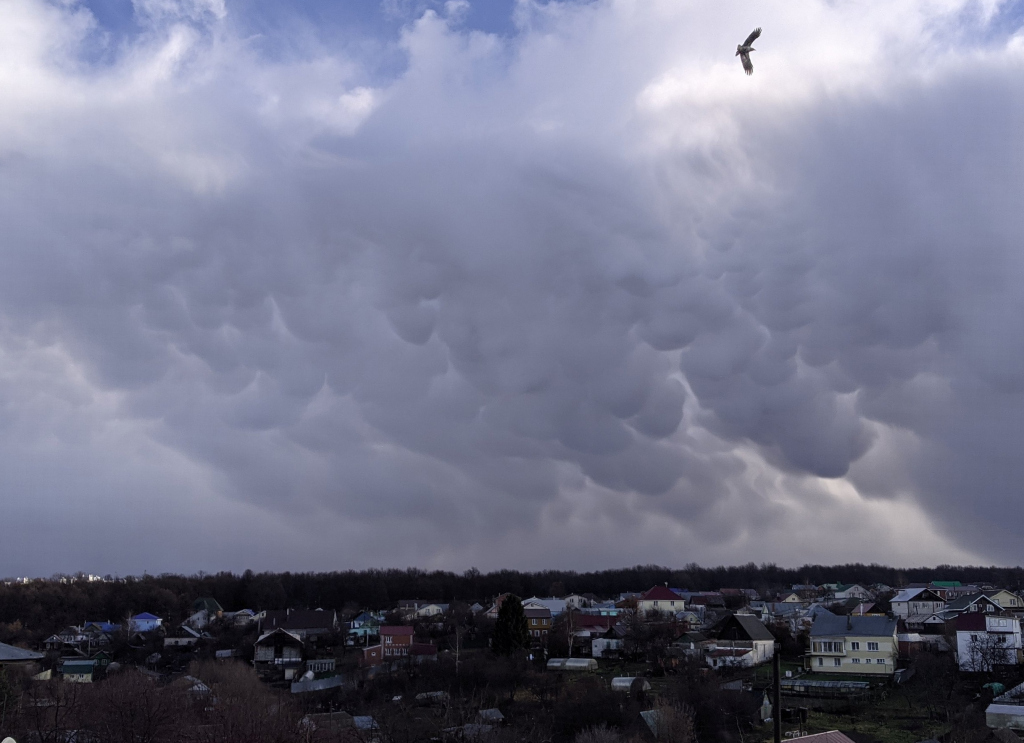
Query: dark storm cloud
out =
(584, 295)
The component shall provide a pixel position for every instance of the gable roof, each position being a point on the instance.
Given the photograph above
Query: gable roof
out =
(907, 594)
(555, 606)
(916, 594)
(206, 602)
(993, 592)
(742, 627)
(593, 621)
(963, 603)
(660, 593)
(145, 616)
(396, 630)
(300, 619)
(11, 654)
(101, 626)
(283, 634)
(827, 624)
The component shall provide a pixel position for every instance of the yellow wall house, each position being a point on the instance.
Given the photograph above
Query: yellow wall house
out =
(852, 645)
(1006, 600)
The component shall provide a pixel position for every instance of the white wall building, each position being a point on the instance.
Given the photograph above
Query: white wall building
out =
(916, 601)
(984, 641)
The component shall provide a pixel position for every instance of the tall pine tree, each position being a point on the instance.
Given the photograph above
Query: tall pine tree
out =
(511, 631)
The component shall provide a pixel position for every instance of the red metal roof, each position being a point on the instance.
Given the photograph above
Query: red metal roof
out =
(661, 593)
(973, 621)
(396, 630)
(593, 620)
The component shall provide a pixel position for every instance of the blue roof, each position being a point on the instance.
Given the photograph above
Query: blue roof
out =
(11, 654)
(103, 626)
(145, 615)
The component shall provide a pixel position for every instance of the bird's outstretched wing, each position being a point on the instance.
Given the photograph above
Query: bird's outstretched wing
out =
(748, 66)
(750, 39)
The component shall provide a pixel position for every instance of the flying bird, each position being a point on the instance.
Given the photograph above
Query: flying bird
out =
(743, 51)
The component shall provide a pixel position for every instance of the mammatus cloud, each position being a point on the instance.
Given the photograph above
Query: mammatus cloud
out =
(583, 296)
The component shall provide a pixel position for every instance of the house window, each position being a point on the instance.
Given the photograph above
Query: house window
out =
(854, 646)
(837, 661)
(873, 646)
(821, 661)
(533, 622)
(828, 647)
(880, 661)
(857, 661)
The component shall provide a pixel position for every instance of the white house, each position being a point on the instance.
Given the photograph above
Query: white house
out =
(601, 646)
(984, 641)
(730, 658)
(575, 601)
(741, 632)
(916, 602)
(145, 622)
(431, 610)
(660, 599)
(844, 591)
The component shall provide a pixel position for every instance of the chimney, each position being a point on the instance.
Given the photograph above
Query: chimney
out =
(849, 621)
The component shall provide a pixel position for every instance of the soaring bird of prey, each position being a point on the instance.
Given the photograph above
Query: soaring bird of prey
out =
(743, 51)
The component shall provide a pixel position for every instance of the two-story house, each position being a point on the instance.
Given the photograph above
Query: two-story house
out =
(969, 604)
(660, 599)
(278, 654)
(916, 602)
(144, 622)
(984, 641)
(1007, 600)
(396, 643)
(538, 619)
(852, 644)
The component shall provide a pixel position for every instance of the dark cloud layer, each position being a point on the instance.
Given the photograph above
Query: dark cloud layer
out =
(580, 296)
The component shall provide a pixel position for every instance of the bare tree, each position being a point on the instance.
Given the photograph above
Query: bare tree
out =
(52, 710)
(675, 723)
(599, 734)
(131, 708)
(986, 651)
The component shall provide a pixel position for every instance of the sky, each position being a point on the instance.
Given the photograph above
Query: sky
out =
(328, 285)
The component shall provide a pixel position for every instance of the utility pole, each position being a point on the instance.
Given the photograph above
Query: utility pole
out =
(777, 693)
(568, 627)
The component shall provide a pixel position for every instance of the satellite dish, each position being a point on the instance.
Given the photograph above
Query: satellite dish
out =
(8, 740)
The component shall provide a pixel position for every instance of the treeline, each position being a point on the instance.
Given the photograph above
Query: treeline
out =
(51, 604)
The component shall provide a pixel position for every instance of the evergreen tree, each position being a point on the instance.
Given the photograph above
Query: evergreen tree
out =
(511, 631)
